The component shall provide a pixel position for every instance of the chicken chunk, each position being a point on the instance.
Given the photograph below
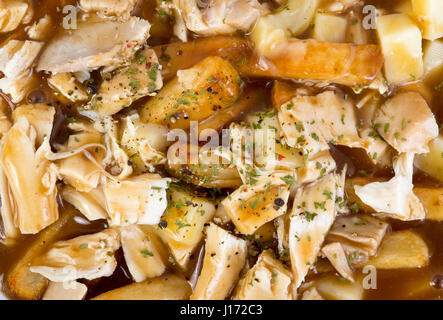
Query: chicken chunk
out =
(219, 16)
(7, 210)
(142, 254)
(359, 235)
(12, 14)
(91, 204)
(17, 88)
(394, 198)
(118, 8)
(312, 216)
(253, 205)
(39, 116)
(336, 255)
(123, 86)
(31, 177)
(407, 123)
(268, 279)
(225, 256)
(85, 257)
(141, 199)
(145, 143)
(310, 122)
(16, 57)
(68, 86)
(183, 223)
(94, 44)
(41, 29)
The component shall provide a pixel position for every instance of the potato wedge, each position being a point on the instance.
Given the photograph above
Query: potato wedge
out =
(401, 250)
(432, 162)
(20, 281)
(196, 93)
(401, 42)
(333, 288)
(432, 200)
(343, 63)
(166, 287)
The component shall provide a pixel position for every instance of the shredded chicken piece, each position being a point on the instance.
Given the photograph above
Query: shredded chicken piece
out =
(94, 44)
(141, 253)
(311, 122)
(336, 255)
(123, 86)
(219, 16)
(91, 204)
(17, 88)
(16, 60)
(68, 86)
(85, 257)
(118, 8)
(31, 177)
(394, 198)
(140, 199)
(7, 210)
(13, 13)
(312, 216)
(116, 159)
(16, 57)
(41, 29)
(185, 219)
(379, 152)
(253, 205)
(39, 116)
(359, 235)
(407, 123)
(225, 256)
(268, 279)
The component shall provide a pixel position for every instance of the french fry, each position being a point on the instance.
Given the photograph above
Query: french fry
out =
(343, 63)
(251, 97)
(20, 281)
(194, 94)
(210, 172)
(166, 287)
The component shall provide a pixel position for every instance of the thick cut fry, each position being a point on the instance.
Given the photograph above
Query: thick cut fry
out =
(342, 63)
(20, 281)
(196, 93)
(252, 96)
(167, 287)
(211, 171)
(401, 250)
